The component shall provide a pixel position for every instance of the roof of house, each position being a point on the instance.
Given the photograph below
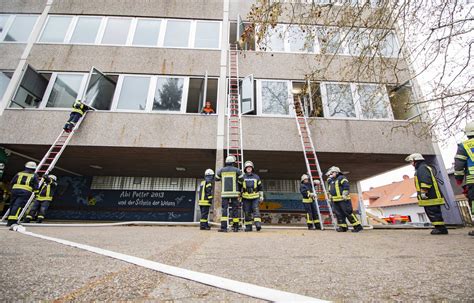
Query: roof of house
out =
(396, 193)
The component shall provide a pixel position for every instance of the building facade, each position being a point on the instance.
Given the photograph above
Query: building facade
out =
(163, 59)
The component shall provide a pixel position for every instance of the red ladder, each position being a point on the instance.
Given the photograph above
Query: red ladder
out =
(311, 159)
(234, 121)
(49, 161)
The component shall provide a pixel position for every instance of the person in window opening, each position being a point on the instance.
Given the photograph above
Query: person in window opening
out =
(464, 166)
(338, 191)
(309, 202)
(205, 198)
(78, 110)
(252, 195)
(207, 109)
(428, 193)
(43, 199)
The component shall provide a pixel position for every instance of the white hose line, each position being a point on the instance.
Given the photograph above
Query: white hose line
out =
(248, 289)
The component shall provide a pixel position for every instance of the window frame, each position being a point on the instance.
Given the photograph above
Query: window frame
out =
(74, 23)
(385, 97)
(193, 41)
(259, 103)
(133, 29)
(10, 22)
(150, 94)
(103, 27)
(324, 98)
(67, 34)
(49, 89)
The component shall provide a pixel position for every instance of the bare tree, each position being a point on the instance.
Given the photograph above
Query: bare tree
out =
(391, 43)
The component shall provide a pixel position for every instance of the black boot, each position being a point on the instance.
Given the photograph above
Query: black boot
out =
(258, 226)
(235, 227)
(27, 220)
(248, 228)
(40, 220)
(317, 226)
(442, 230)
(341, 229)
(471, 233)
(222, 230)
(357, 228)
(310, 226)
(11, 222)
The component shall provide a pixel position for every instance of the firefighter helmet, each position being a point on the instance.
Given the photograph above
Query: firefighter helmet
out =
(209, 172)
(53, 177)
(30, 165)
(469, 129)
(414, 157)
(303, 177)
(248, 163)
(333, 169)
(230, 159)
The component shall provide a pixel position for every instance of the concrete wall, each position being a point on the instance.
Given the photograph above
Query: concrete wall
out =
(22, 6)
(334, 135)
(327, 67)
(111, 129)
(120, 59)
(202, 9)
(10, 55)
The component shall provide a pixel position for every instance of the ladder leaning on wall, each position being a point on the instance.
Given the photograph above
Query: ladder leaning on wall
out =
(311, 160)
(48, 163)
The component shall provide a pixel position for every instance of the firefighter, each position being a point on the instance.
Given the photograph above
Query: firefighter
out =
(252, 195)
(428, 193)
(78, 110)
(338, 190)
(464, 166)
(205, 198)
(23, 185)
(43, 200)
(309, 202)
(231, 178)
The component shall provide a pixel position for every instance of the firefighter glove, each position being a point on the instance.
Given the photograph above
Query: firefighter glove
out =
(345, 195)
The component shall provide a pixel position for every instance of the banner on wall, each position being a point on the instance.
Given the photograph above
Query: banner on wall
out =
(76, 201)
(285, 203)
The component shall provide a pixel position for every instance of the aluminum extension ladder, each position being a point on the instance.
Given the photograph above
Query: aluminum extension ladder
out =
(234, 116)
(311, 159)
(234, 121)
(48, 162)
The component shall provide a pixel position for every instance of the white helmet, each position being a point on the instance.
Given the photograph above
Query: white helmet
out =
(414, 157)
(30, 165)
(303, 177)
(248, 163)
(230, 159)
(316, 182)
(53, 177)
(209, 172)
(333, 169)
(469, 129)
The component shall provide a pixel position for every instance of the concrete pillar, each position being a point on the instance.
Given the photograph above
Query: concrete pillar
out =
(221, 109)
(362, 210)
(15, 80)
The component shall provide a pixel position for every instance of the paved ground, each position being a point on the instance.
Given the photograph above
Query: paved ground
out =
(376, 265)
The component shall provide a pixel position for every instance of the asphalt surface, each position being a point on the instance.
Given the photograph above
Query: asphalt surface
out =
(375, 265)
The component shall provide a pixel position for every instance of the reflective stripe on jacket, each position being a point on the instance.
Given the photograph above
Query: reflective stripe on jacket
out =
(251, 186)
(205, 193)
(424, 179)
(337, 186)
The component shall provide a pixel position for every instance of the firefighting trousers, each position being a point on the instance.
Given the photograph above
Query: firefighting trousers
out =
(38, 208)
(204, 222)
(233, 203)
(251, 211)
(435, 216)
(343, 211)
(311, 213)
(19, 198)
(71, 122)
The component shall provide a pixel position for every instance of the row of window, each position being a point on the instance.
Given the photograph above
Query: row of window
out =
(114, 31)
(372, 3)
(196, 34)
(155, 93)
(330, 40)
